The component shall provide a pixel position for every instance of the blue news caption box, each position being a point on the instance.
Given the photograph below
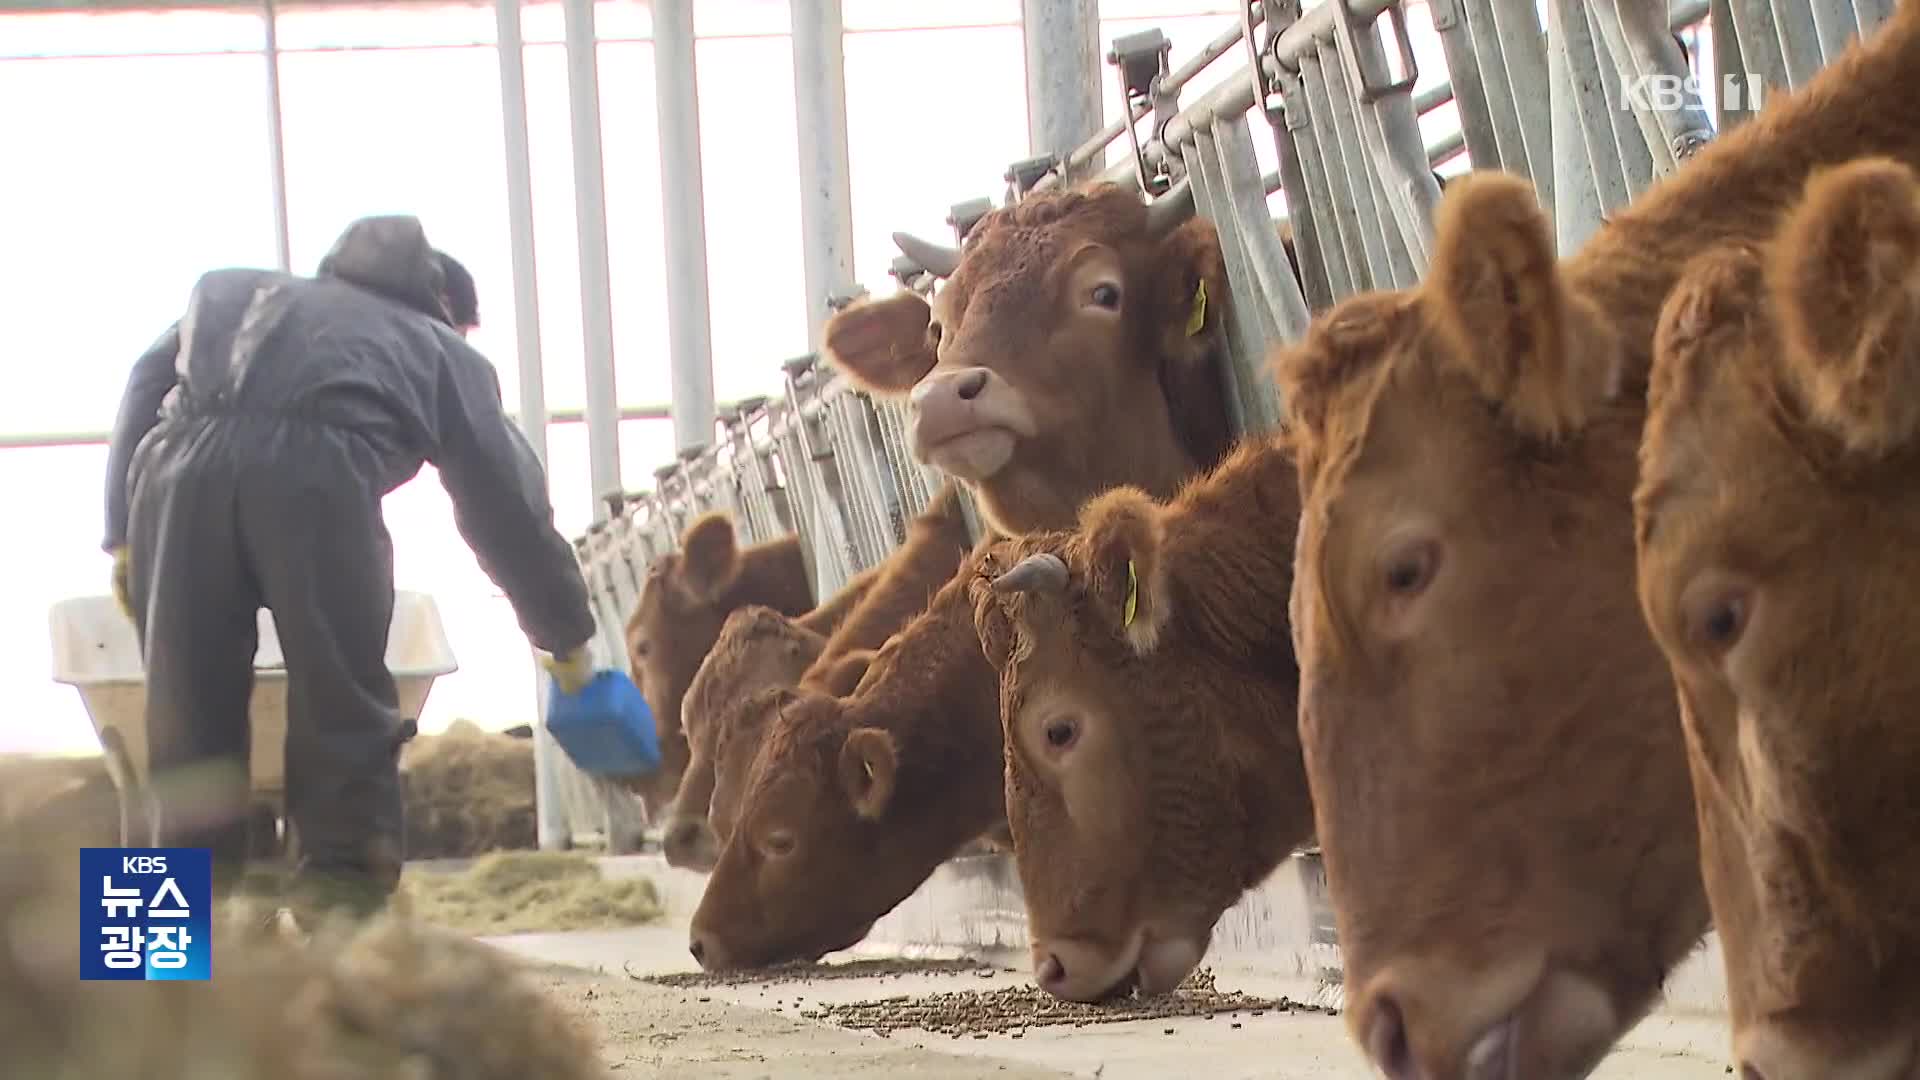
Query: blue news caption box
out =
(146, 913)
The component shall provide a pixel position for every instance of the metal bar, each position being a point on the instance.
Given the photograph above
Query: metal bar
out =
(1635, 137)
(1469, 90)
(1523, 48)
(1340, 175)
(1585, 157)
(1869, 14)
(1284, 300)
(590, 222)
(1760, 43)
(1799, 41)
(1392, 128)
(1241, 328)
(1090, 151)
(551, 824)
(1732, 87)
(1063, 75)
(1353, 151)
(1648, 48)
(1304, 205)
(276, 139)
(1833, 21)
(683, 207)
(826, 194)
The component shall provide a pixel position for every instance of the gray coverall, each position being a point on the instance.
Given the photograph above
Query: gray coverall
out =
(252, 448)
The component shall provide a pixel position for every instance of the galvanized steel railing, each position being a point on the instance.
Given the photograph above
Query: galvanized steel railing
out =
(1591, 107)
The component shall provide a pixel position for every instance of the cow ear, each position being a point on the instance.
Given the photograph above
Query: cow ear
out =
(882, 345)
(1125, 533)
(868, 763)
(1543, 356)
(844, 675)
(710, 559)
(1192, 298)
(1845, 279)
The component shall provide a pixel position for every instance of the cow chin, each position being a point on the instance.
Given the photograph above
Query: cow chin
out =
(973, 457)
(1560, 1028)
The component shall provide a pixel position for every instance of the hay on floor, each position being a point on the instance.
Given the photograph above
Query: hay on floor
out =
(527, 891)
(468, 792)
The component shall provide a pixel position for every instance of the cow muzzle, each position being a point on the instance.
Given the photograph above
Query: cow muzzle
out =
(1766, 1051)
(1080, 970)
(967, 422)
(1498, 1026)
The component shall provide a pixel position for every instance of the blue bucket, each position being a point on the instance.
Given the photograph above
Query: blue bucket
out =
(606, 728)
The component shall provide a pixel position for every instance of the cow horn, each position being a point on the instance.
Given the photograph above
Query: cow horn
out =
(939, 261)
(1170, 210)
(1036, 573)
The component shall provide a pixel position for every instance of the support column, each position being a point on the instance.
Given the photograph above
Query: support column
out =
(552, 827)
(276, 138)
(683, 206)
(596, 291)
(1063, 76)
(826, 194)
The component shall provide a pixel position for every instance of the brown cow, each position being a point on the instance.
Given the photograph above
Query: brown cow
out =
(1776, 524)
(1072, 316)
(890, 594)
(757, 648)
(851, 802)
(1148, 695)
(685, 600)
(1499, 784)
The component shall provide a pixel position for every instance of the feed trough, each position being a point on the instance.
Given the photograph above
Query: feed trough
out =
(96, 651)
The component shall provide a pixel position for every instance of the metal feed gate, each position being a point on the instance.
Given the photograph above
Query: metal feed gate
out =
(1591, 107)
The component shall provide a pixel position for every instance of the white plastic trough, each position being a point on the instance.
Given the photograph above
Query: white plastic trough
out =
(96, 651)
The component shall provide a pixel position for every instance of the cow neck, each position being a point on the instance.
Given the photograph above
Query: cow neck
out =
(934, 692)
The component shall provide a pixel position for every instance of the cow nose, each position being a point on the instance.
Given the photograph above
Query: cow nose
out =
(1387, 1041)
(969, 384)
(1748, 1072)
(699, 950)
(1050, 972)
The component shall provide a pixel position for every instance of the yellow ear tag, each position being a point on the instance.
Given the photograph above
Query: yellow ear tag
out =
(1198, 319)
(1133, 596)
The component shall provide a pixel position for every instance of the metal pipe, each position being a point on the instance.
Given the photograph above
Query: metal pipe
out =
(1178, 77)
(1463, 71)
(1582, 155)
(683, 203)
(1063, 74)
(1524, 51)
(826, 195)
(590, 217)
(276, 138)
(549, 810)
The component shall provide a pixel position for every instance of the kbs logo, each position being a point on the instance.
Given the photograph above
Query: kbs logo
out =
(146, 913)
(1665, 93)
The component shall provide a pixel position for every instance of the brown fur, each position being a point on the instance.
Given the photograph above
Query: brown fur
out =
(1776, 522)
(685, 600)
(852, 802)
(758, 648)
(1182, 783)
(903, 583)
(1008, 308)
(1498, 774)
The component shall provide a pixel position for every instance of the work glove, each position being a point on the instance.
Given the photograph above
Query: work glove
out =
(122, 595)
(572, 671)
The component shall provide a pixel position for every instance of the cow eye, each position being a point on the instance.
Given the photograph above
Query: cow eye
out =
(1717, 615)
(1107, 295)
(779, 843)
(1411, 568)
(1062, 733)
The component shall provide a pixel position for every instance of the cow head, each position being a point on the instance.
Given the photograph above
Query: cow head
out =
(683, 604)
(1498, 779)
(757, 649)
(1141, 795)
(1074, 347)
(1778, 524)
(851, 802)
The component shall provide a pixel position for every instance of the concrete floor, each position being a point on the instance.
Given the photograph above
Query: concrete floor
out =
(756, 1030)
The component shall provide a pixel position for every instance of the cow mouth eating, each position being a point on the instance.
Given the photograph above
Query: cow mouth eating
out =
(1076, 969)
(1559, 1027)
